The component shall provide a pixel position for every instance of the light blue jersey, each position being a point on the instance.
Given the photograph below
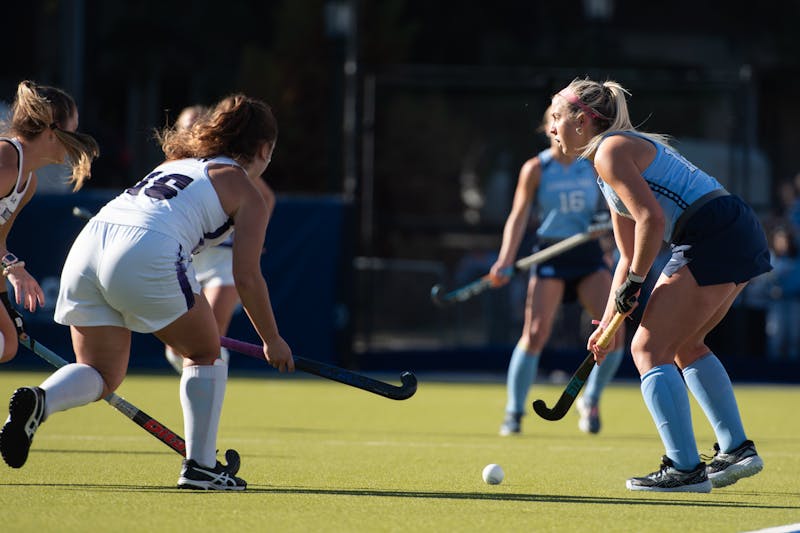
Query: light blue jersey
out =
(675, 182)
(567, 197)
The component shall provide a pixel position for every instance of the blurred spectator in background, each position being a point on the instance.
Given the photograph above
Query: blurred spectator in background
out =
(565, 191)
(787, 212)
(783, 290)
(214, 264)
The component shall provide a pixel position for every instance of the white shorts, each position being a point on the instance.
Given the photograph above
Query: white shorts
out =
(214, 266)
(125, 276)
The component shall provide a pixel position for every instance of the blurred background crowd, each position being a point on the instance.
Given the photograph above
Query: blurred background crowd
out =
(414, 118)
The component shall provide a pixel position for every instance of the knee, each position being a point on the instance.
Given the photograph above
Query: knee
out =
(109, 385)
(689, 354)
(536, 336)
(534, 340)
(643, 354)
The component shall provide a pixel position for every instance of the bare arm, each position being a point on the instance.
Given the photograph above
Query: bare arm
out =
(241, 200)
(517, 221)
(26, 289)
(618, 161)
(267, 194)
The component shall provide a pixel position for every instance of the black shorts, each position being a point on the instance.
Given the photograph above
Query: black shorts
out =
(571, 266)
(722, 243)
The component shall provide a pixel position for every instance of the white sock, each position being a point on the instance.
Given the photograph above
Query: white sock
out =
(71, 386)
(202, 392)
(225, 355)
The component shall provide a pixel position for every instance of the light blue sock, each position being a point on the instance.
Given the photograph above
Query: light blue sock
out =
(666, 397)
(711, 387)
(601, 375)
(521, 373)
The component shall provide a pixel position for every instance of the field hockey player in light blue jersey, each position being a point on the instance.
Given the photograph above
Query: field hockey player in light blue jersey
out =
(718, 245)
(564, 190)
(129, 270)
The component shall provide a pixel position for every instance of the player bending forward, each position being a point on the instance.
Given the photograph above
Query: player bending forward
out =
(129, 270)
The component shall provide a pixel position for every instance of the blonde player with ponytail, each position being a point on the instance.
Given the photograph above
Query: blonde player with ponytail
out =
(42, 130)
(718, 245)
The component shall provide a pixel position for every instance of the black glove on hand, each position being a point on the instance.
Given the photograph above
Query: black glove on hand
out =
(626, 294)
(15, 315)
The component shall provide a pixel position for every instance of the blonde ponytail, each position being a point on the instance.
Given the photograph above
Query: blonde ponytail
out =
(37, 108)
(607, 105)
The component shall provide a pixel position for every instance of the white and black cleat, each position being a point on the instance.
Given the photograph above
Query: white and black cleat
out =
(198, 477)
(25, 413)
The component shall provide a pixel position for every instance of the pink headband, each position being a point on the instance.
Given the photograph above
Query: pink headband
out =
(572, 98)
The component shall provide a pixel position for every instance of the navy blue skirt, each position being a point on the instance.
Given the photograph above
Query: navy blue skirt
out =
(722, 243)
(571, 266)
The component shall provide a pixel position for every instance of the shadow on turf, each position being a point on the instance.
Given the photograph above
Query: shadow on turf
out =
(534, 498)
(371, 493)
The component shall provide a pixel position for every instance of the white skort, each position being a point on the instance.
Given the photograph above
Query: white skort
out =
(214, 266)
(127, 276)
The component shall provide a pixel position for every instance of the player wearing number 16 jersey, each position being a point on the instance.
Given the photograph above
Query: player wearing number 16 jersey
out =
(129, 270)
(564, 191)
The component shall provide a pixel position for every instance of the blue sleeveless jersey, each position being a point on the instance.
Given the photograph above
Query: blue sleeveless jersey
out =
(567, 197)
(675, 182)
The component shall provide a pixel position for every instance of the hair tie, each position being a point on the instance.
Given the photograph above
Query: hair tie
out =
(573, 99)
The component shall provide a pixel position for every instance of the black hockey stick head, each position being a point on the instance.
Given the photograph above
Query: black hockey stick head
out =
(578, 378)
(233, 460)
(561, 408)
(409, 381)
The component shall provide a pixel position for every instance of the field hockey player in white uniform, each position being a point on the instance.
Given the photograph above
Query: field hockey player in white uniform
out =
(564, 190)
(129, 270)
(41, 131)
(214, 264)
(718, 245)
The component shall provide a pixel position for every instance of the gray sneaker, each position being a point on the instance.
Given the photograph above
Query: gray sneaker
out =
(670, 479)
(589, 421)
(512, 425)
(728, 468)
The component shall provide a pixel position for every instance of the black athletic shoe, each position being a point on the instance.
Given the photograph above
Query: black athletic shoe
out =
(670, 479)
(728, 468)
(25, 413)
(198, 477)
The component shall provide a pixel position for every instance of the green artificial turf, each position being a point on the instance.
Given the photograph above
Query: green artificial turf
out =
(320, 456)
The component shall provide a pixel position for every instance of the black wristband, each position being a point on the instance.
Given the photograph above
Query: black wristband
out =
(5, 300)
(635, 277)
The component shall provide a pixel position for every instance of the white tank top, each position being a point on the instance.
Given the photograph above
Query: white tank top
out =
(9, 204)
(176, 199)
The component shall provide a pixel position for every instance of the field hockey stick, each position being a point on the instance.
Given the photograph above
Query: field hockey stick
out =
(478, 286)
(578, 378)
(359, 381)
(142, 419)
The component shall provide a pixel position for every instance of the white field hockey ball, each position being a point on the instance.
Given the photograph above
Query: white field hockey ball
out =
(493, 474)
